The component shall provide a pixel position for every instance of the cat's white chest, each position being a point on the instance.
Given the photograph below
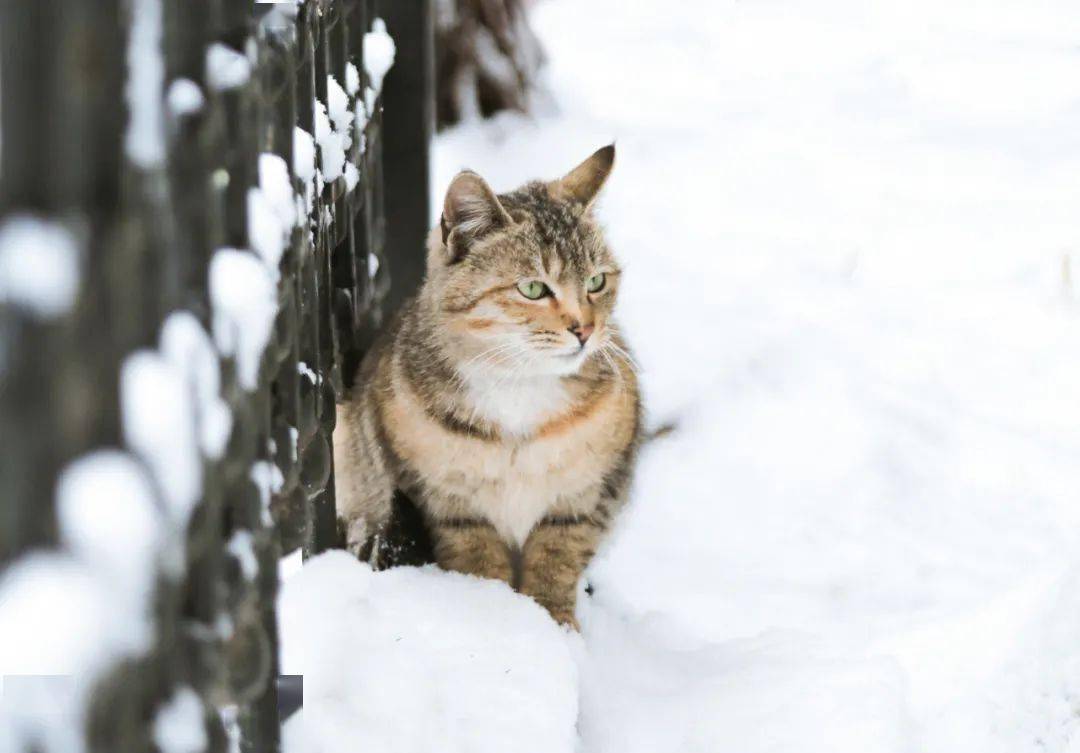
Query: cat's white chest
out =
(518, 408)
(522, 480)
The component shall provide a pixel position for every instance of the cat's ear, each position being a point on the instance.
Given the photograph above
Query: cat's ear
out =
(470, 211)
(583, 183)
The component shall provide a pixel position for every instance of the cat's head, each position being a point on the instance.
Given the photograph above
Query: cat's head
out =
(523, 282)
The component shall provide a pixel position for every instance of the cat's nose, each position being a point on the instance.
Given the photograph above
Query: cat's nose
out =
(583, 332)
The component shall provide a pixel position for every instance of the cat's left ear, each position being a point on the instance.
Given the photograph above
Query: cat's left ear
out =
(583, 183)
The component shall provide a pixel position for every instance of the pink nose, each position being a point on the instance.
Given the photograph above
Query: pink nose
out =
(583, 332)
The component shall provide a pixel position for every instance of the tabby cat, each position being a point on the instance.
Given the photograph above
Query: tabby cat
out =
(502, 401)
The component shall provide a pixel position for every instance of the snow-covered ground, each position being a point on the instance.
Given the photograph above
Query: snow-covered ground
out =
(851, 236)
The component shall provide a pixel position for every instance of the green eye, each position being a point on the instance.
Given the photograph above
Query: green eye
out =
(533, 289)
(596, 283)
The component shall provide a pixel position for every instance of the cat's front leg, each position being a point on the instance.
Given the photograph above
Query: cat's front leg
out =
(471, 546)
(555, 555)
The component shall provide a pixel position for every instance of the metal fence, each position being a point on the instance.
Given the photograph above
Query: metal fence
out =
(209, 269)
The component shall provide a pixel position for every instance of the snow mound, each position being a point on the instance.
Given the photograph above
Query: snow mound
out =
(421, 660)
(647, 686)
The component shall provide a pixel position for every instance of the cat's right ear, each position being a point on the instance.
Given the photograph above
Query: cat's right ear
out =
(471, 211)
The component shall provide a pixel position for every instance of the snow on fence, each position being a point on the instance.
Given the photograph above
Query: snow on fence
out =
(191, 261)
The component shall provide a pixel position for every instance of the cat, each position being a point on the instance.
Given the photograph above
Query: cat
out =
(502, 400)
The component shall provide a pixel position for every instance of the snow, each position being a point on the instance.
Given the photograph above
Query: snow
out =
(338, 106)
(303, 155)
(361, 110)
(243, 294)
(277, 185)
(230, 719)
(242, 546)
(306, 371)
(269, 480)
(113, 536)
(352, 176)
(179, 726)
(290, 565)
(188, 347)
(472, 665)
(848, 232)
(144, 140)
(649, 686)
(108, 518)
(39, 266)
(378, 53)
(41, 596)
(225, 67)
(264, 230)
(332, 144)
(283, 14)
(304, 167)
(48, 669)
(184, 97)
(157, 409)
(40, 712)
(352, 79)
(272, 211)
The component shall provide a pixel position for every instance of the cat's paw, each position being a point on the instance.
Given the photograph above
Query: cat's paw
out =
(356, 538)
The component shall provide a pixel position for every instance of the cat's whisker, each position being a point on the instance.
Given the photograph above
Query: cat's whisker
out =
(498, 359)
(521, 352)
(619, 350)
(619, 356)
(497, 348)
(610, 362)
(490, 357)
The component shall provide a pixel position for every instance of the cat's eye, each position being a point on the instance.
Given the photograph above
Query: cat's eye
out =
(533, 289)
(596, 283)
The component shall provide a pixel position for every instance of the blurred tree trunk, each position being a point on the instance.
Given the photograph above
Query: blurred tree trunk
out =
(487, 58)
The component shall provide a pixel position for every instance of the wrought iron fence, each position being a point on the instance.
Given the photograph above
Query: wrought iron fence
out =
(192, 257)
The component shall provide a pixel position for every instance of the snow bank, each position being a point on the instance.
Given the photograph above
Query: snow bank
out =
(414, 660)
(647, 685)
(418, 660)
(39, 266)
(848, 239)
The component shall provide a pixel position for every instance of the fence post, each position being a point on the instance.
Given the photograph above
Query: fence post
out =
(408, 122)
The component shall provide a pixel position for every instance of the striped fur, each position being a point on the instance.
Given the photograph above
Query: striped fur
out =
(515, 441)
